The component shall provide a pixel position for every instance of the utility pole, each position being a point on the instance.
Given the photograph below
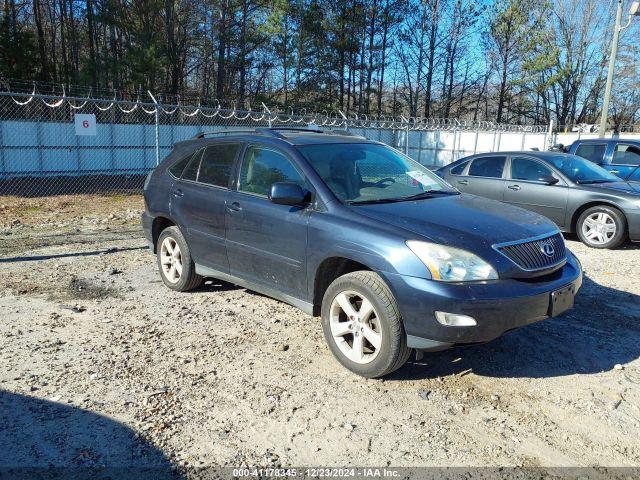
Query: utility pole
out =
(635, 10)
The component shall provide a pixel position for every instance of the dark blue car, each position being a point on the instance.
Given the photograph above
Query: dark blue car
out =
(620, 156)
(391, 257)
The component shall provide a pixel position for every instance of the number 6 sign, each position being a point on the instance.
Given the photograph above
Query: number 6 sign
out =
(85, 123)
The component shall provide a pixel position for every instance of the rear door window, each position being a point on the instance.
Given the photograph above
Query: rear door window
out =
(528, 169)
(217, 163)
(491, 167)
(593, 152)
(626, 154)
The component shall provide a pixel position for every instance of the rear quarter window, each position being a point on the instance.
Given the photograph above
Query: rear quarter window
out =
(191, 172)
(458, 169)
(178, 167)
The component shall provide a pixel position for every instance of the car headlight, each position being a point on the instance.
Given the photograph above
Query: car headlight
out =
(449, 264)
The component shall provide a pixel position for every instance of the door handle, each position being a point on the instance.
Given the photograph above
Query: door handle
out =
(514, 187)
(463, 182)
(234, 207)
(614, 171)
(177, 193)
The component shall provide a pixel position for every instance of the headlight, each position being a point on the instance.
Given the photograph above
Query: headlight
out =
(448, 264)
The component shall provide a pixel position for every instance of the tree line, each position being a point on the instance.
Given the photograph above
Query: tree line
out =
(509, 61)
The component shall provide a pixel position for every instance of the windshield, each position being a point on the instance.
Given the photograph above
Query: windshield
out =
(368, 173)
(579, 170)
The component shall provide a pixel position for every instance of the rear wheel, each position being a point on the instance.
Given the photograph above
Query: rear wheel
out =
(601, 227)
(177, 270)
(362, 325)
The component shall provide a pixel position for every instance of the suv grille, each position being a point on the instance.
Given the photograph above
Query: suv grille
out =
(536, 254)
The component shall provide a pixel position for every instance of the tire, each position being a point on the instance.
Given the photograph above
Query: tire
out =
(602, 227)
(187, 279)
(344, 333)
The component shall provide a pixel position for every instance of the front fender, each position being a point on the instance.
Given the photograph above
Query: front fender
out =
(379, 249)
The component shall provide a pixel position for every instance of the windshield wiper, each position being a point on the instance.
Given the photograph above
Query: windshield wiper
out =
(373, 200)
(429, 194)
(602, 180)
(417, 196)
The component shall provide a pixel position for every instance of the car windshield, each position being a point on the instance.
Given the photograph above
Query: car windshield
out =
(580, 170)
(371, 173)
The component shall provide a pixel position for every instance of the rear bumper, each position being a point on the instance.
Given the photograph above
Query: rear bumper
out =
(147, 227)
(497, 306)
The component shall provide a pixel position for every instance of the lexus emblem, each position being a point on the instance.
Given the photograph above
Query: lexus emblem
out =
(547, 249)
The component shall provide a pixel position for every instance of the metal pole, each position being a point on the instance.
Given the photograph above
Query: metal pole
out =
(406, 131)
(612, 66)
(406, 145)
(268, 113)
(157, 127)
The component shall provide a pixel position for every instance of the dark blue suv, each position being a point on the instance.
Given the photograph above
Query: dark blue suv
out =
(390, 256)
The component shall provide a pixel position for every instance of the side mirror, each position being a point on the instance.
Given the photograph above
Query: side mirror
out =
(549, 179)
(287, 193)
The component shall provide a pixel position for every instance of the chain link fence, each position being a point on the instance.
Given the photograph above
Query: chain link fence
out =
(68, 145)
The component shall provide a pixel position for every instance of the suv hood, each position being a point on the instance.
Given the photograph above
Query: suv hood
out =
(466, 221)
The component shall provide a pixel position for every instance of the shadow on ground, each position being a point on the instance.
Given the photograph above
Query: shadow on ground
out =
(601, 331)
(43, 439)
(37, 258)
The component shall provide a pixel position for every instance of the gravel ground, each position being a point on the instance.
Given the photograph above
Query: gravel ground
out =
(101, 364)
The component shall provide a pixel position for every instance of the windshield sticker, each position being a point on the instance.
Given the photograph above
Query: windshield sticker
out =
(421, 177)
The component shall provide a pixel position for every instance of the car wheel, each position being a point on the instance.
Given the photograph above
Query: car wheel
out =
(362, 325)
(176, 266)
(602, 227)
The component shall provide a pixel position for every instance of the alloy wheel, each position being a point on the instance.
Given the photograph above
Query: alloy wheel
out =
(355, 327)
(171, 260)
(599, 228)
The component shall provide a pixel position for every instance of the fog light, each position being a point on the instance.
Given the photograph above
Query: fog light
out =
(455, 320)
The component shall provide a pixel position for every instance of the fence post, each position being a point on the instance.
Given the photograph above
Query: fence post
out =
(406, 138)
(268, 113)
(475, 142)
(157, 127)
(548, 137)
(4, 170)
(453, 147)
(406, 143)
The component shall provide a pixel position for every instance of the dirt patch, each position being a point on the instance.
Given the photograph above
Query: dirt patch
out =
(30, 223)
(50, 211)
(82, 289)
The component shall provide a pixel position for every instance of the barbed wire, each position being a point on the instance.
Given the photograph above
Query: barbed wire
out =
(269, 114)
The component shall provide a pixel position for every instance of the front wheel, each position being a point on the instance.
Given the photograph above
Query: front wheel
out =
(601, 227)
(362, 325)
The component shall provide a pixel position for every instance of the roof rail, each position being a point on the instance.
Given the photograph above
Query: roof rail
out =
(224, 132)
(273, 131)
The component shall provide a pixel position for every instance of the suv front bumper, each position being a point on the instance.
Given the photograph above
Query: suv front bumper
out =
(497, 306)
